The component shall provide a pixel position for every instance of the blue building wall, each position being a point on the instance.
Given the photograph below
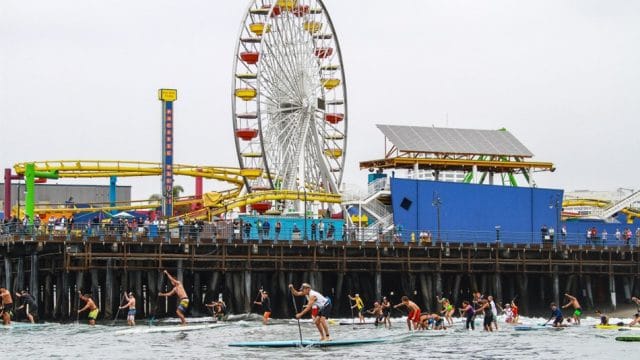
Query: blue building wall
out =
(471, 212)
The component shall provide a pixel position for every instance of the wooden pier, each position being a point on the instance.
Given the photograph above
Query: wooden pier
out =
(54, 266)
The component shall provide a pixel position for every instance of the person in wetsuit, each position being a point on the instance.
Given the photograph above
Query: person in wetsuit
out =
(556, 315)
(28, 303)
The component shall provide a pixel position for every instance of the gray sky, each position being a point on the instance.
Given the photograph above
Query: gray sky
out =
(78, 79)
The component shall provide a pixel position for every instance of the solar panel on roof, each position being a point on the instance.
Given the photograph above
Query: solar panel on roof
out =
(454, 141)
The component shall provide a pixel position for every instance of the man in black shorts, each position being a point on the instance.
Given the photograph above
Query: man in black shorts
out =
(28, 304)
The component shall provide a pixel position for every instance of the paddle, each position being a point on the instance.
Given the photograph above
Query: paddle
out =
(353, 320)
(77, 308)
(295, 307)
(117, 312)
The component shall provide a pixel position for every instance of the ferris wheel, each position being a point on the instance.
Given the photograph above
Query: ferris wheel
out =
(289, 97)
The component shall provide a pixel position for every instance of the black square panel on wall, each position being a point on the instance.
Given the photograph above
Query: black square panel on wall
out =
(406, 203)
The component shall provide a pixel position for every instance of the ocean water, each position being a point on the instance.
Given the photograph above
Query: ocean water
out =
(74, 341)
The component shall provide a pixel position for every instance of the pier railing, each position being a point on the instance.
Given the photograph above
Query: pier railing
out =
(233, 231)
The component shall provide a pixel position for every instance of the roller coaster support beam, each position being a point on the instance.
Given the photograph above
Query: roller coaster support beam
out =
(8, 178)
(112, 192)
(30, 175)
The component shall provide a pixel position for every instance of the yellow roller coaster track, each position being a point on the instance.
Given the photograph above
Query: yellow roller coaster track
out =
(227, 199)
(630, 212)
(252, 198)
(107, 168)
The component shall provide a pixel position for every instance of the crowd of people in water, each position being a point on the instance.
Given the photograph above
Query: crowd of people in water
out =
(319, 307)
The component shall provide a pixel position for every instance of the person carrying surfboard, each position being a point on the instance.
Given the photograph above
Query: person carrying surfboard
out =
(319, 305)
(265, 302)
(181, 294)
(358, 305)
(577, 309)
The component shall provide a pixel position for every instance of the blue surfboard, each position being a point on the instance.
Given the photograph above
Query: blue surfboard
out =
(305, 343)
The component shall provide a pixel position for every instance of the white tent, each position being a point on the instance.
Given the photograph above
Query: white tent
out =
(123, 214)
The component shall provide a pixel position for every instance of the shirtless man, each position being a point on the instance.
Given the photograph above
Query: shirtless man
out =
(219, 308)
(319, 305)
(131, 304)
(577, 309)
(376, 311)
(414, 312)
(636, 317)
(28, 304)
(91, 306)
(183, 299)
(6, 306)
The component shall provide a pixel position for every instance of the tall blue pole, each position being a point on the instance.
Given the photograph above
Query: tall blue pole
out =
(112, 192)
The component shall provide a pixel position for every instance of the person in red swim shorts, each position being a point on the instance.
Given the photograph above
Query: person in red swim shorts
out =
(414, 312)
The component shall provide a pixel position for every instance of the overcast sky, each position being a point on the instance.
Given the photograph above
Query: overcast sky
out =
(78, 79)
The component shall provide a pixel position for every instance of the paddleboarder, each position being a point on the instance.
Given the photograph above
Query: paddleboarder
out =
(89, 305)
(265, 302)
(358, 305)
(28, 304)
(469, 314)
(181, 294)
(604, 319)
(319, 306)
(131, 305)
(414, 312)
(376, 311)
(386, 312)
(556, 315)
(219, 308)
(6, 306)
(577, 309)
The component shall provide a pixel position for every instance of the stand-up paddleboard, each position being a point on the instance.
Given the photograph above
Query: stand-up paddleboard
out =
(629, 328)
(166, 329)
(628, 338)
(356, 323)
(536, 327)
(305, 343)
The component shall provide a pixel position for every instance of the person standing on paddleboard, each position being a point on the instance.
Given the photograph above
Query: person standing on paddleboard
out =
(414, 312)
(131, 304)
(183, 299)
(91, 306)
(265, 302)
(577, 309)
(556, 315)
(28, 304)
(386, 312)
(6, 306)
(319, 306)
(359, 305)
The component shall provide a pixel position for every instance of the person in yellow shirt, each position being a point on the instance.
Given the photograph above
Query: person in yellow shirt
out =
(359, 306)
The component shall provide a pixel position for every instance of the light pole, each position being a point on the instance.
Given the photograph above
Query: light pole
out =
(437, 202)
(304, 237)
(555, 202)
(497, 227)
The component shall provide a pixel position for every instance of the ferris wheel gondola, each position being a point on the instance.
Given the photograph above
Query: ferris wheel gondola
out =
(289, 101)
